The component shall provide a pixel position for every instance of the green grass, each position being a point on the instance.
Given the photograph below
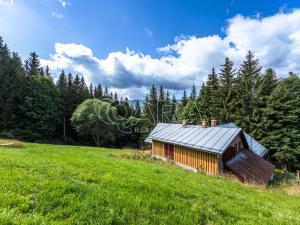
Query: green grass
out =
(52, 184)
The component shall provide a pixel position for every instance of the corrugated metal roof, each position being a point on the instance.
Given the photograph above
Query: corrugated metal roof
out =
(254, 145)
(250, 167)
(211, 139)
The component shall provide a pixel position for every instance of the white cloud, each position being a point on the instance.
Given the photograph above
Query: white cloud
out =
(64, 3)
(7, 2)
(57, 15)
(275, 40)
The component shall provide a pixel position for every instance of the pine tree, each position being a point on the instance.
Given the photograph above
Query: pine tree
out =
(212, 95)
(160, 104)
(47, 72)
(32, 65)
(248, 80)
(12, 82)
(98, 91)
(282, 122)
(173, 111)
(184, 99)
(116, 99)
(193, 95)
(137, 109)
(127, 107)
(266, 85)
(226, 91)
(91, 91)
(62, 85)
(105, 92)
(83, 89)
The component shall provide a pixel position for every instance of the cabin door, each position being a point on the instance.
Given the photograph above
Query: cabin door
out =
(169, 151)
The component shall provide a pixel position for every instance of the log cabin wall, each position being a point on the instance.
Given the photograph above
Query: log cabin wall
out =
(197, 159)
(158, 148)
(189, 157)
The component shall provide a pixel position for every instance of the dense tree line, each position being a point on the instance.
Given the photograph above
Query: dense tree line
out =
(34, 107)
(266, 107)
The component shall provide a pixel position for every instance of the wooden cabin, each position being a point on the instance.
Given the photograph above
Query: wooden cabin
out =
(211, 149)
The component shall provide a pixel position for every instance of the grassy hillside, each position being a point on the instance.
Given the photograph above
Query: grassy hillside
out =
(48, 184)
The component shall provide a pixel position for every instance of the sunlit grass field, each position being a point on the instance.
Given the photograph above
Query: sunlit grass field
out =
(52, 184)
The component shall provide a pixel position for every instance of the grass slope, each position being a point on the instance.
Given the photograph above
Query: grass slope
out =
(48, 184)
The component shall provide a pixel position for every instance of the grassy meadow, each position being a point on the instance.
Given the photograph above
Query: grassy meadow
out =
(54, 184)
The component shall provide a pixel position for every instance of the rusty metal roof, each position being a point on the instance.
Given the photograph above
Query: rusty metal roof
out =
(251, 168)
(212, 139)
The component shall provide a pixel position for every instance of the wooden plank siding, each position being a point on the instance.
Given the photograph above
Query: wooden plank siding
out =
(189, 157)
(158, 148)
(197, 159)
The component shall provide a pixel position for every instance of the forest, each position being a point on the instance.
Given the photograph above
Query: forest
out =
(36, 107)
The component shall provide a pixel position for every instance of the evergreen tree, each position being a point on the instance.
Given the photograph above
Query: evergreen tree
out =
(105, 92)
(12, 80)
(115, 99)
(92, 93)
(282, 122)
(226, 91)
(193, 95)
(83, 90)
(127, 108)
(160, 104)
(62, 85)
(248, 79)
(98, 91)
(32, 65)
(212, 95)
(137, 109)
(173, 110)
(40, 110)
(266, 85)
(47, 72)
(184, 99)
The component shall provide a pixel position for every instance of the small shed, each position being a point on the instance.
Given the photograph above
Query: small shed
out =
(210, 149)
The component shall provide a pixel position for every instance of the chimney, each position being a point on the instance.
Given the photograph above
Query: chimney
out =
(203, 123)
(183, 123)
(213, 123)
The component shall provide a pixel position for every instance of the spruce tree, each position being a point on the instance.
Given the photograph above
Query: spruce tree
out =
(160, 104)
(226, 91)
(282, 122)
(92, 93)
(184, 99)
(266, 85)
(212, 95)
(137, 109)
(248, 80)
(32, 65)
(193, 95)
(12, 82)
(62, 85)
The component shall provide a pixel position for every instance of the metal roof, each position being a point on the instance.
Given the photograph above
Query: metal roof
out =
(250, 167)
(212, 139)
(254, 145)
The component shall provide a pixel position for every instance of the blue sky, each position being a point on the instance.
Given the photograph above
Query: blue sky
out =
(129, 45)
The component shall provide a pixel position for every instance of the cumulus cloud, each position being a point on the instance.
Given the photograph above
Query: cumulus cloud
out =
(275, 40)
(7, 2)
